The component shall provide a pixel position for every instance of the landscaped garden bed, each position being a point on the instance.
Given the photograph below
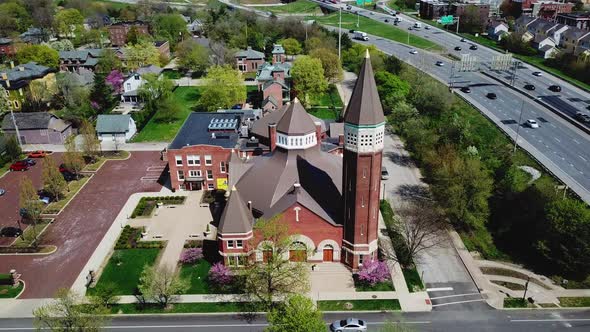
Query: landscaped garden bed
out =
(107, 155)
(130, 239)
(9, 291)
(132, 308)
(146, 205)
(73, 188)
(359, 305)
(574, 301)
(511, 273)
(514, 302)
(413, 280)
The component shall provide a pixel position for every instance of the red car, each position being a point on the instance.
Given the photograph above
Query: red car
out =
(37, 154)
(19, 166)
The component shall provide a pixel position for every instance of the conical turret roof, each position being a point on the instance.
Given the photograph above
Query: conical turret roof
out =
(236, 217)
(296, 120)
(365, 106)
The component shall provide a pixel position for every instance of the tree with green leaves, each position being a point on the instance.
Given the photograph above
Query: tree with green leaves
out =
(265, 281)
(13, 149)
(14, 18)
(167, 110)
(471, 20)
(224, 87)
(53, 181)
(144, 53)
(105, 295)
(392, 90)
(330, 63)
(134, 36)
(154, 90)
(291, 45)
(30, 203)
(170, 27)
(41, 54)
(67, 313)
(161, 284)
(68, 22)
(192, 56)
(101, 95)
(308, 78)
(297, 313)
(108, 62)
(90, 143)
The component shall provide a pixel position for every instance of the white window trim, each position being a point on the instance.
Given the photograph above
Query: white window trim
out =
(222, 167)
(208, 161)
(210, 172)
(178, 158)
(232, 244)
(197, 173)
(210, 186)
(239, 244)
(178, 172)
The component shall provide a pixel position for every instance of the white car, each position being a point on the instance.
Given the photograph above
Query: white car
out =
(537, 73)
(350, 324)
(2, 191)
(440, 63)
(413, 52)
(532, 123)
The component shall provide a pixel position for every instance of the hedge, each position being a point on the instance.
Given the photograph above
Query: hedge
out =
(6, 279)
(147, 204)
(129, 239)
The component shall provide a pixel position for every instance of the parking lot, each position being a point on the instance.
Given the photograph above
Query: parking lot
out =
(81, 226)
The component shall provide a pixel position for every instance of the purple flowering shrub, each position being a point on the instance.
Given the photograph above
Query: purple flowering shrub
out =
(115, 79)
(220, 275)
(374, 272)
(191, 255)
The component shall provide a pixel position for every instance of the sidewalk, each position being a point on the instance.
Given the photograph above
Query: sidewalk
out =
(105, 146)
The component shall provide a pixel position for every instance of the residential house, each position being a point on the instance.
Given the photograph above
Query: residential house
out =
(132, 84)
(574, 41)
(278, 54)
(249, 60)
(73, 61)
(549, 9)
(17, 82)
(163, 47)
(548, 51)
(38, 128)
(274, 80)
(433, 9)
(577, 20)
(330, 204)
(459, 9)
(118, 31)
(497, 30)
(195, 27)
(7, 47)
(33, 36)
(118, 128)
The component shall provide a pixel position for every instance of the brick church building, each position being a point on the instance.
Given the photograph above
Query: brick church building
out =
(329, 202)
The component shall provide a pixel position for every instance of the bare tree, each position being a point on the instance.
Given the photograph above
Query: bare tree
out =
(161, 284)
(419, 226)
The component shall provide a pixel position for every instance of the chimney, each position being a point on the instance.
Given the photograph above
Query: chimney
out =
(318, 131)
(296, 187)
(212, 135)
(250, 206)
(272, 136)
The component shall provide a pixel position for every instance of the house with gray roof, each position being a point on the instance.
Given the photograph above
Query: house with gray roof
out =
(274, 80)
(38, 128)
(17, 81)
(248, 60)
(118, 128)
(73, 61)
(133, 83)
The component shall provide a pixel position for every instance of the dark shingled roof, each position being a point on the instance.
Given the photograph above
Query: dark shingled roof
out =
(35, 120)
(365, 106)
(195, 131)
(236, 218)
(296, 121)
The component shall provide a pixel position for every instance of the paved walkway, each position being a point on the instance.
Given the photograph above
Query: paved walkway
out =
(106, 146)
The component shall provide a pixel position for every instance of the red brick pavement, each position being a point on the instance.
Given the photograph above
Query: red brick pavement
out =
(81, 226)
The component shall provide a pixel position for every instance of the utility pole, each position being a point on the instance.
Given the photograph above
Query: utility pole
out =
(518, 127)
(458, 17)
(20, 144)
(339, 32)
(452, 75)
(526, 287)
(358, 20)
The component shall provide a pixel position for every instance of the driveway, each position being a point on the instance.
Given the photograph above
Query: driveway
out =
(81, 226)
(9, 201)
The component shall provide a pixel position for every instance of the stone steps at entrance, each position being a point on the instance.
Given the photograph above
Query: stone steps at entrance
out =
(330, 268)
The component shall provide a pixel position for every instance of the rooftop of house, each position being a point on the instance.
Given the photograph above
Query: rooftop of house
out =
(266, 69)
(250, 54)
(25, 72)
(577, 15)
(260, 127)
(35, 120)
(5, 41)
(113, 123)
(278, 49)
(151, 69)
(128, 23)
(206, 128)
(159, 43)
(81, 54)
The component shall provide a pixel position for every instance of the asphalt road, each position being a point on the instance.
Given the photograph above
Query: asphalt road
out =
(514, 320)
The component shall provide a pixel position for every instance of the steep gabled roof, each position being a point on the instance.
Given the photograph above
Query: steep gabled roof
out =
(236, 218)
(296, 121)
(113, 123)
(364, 107)
(249, 53)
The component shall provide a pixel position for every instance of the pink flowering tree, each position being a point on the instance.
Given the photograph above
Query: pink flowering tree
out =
(220, 275)
(191, 255)
(374, 272)
(115, 80)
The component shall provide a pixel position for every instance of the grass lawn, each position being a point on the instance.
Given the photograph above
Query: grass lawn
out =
(29, 234)
(73, 187)
(299, 6)
(155, 131)
(106, 156)
(574, 301)
(359, 305)
(172, 74)
(179, 308)
(386, 286)
(9, 292)
(511, 273)
(324, 113)
(413, 280)
(125, 275)
(378, 29)
(197, 275)
(513, 302)
(257, 2)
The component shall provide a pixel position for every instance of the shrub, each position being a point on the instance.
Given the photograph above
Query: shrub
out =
(374, 272)
(191, 255)
(220, 275)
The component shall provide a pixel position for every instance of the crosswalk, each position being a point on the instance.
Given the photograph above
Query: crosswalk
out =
(458, 296)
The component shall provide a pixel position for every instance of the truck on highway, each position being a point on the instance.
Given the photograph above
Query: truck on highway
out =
(417, 25)
(360, 35)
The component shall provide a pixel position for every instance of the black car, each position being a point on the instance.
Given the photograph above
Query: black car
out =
(386, 20)
(555, 88)
(491, 95)
(585, 118)
(68, 176)
(458, 48)
(529, 87)
(466, 89)
(10, 232)
(29, 161)
(473, 47)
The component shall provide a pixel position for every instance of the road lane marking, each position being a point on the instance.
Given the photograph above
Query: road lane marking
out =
(458, 302)
(455, 295)
(557, 139)
(584, 159)
(550, 320)
(439, 289)
(576, 141)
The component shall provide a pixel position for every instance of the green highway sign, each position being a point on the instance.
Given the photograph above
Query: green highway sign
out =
(446, 19)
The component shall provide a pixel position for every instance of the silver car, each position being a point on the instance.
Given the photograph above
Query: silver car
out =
(384, 173)
(349, 324)
(2, 191)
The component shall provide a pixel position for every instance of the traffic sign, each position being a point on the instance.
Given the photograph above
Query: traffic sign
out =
(449, 19)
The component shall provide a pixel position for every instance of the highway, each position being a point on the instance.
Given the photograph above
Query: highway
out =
(457, 321)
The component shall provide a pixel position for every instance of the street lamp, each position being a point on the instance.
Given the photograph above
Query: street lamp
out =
(339, 31)
(518, 127)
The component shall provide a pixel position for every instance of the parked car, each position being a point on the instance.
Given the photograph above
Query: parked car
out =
(410, 28)
(491, 95)
(10, 232)
(458, 48)
(555, 88)
(349, 324)
(532, 123)
(537, 73)
(63, 168)
(440, 63)
(413, 51)
(466, 89)
(386, 20)
(19, 166)
(2, 192)
(473, 47)
(427, 27)
(68, 176)
(384, 173)
(529, 87)
(463, 39)
(37, 154)
(585, 118)
(29, 161)
(45, 196)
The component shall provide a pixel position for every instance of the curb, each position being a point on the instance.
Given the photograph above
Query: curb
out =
(33, 253)
(544, 104)
(22, 290)
(72, 198)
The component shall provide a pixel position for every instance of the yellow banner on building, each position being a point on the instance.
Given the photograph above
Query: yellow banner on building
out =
(222, 184)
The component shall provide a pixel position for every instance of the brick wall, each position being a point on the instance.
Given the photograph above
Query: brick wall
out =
(218, 155)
